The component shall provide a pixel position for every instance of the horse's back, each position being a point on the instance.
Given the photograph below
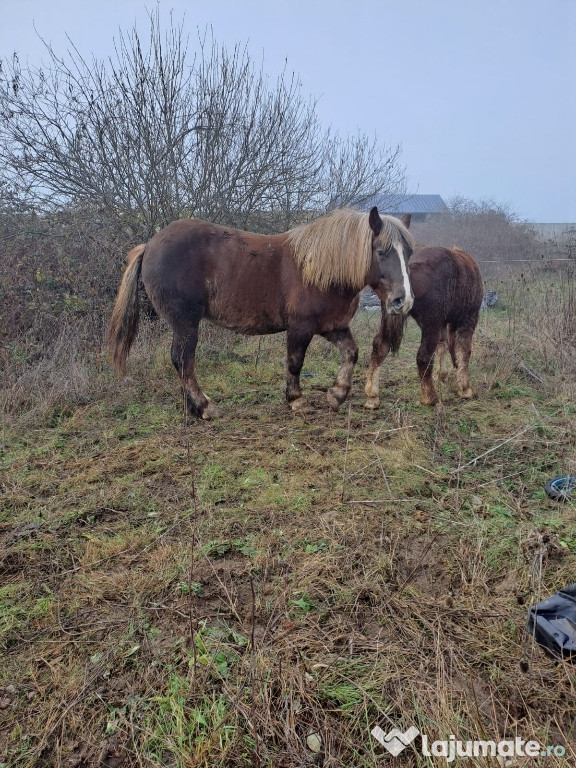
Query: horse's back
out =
(186, 243)
(470, 281)
(193, 268)
(447, 286)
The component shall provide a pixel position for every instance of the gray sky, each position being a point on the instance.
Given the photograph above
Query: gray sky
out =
(480, 93)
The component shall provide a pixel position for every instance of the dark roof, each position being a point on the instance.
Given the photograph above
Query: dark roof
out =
(407, 204)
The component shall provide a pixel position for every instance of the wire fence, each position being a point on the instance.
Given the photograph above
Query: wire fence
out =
(537, 260)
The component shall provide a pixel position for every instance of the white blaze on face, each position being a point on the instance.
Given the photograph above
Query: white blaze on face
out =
(403, 267)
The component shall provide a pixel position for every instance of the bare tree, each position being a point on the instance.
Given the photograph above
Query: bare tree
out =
(357, 170)
(488, 230)
(148, 137)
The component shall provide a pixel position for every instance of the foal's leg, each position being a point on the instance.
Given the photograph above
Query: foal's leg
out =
(183, 358)
(444, 346)
(462, 352)
(425, 362)
(380, 349)
(297, 342)
(344, 342)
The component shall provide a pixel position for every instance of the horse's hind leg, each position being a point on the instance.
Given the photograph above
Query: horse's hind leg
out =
(297, 342)
(425, 362)
(380, 349)
(462, 346)
(344, 342)
(183, 359)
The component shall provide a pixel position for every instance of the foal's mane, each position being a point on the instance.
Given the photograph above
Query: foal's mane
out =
(337, 249)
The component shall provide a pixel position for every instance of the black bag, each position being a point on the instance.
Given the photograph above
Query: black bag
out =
(552, 623)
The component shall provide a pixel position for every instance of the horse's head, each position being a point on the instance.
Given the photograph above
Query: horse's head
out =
(392, 246)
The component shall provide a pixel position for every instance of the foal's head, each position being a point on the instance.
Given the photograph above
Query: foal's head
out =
(392, 246)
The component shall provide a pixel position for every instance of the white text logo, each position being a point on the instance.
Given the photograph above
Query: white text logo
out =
(395, 741)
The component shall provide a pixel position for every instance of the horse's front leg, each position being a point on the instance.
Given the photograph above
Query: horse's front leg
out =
(462, 346)
(445, 345)
(380, 349)
(425, 361)
(388, 338)
(297, 342)
(344, 342)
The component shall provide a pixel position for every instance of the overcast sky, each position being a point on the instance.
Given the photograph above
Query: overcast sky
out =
(480, 94)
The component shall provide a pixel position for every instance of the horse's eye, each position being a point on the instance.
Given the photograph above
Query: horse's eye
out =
(381, 253)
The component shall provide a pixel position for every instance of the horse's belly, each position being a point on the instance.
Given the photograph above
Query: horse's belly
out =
(252, 322)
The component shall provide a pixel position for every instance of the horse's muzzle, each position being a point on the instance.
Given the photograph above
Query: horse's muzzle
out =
(400, 305)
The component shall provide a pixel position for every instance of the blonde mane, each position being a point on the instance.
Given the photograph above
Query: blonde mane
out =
(337, 249)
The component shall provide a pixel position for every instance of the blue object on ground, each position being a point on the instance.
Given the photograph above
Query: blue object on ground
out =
(490, 299)
(560, 488)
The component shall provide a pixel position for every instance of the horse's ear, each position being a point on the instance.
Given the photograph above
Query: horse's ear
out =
(375, 221)
(406, 218)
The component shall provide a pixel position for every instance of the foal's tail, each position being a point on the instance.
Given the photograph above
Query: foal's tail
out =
(125, 315)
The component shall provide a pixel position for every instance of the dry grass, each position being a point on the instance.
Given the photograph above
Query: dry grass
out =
(265, 589)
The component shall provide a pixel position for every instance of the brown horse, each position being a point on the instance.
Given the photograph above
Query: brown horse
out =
(305, 282)
(447, 288)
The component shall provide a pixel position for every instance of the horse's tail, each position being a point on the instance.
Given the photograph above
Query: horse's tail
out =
(125, 315)
(393, 327)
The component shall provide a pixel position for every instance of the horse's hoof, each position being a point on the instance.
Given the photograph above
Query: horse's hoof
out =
(210, 412)
(434, 400)
(300, 405)
(372, 403)
(335, 397)
(467, 393)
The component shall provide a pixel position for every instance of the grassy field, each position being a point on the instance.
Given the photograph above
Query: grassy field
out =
(265, 589)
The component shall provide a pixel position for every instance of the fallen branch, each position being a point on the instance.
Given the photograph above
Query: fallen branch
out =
(491, 450)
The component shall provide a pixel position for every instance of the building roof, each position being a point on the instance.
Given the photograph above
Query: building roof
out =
(407, 204)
